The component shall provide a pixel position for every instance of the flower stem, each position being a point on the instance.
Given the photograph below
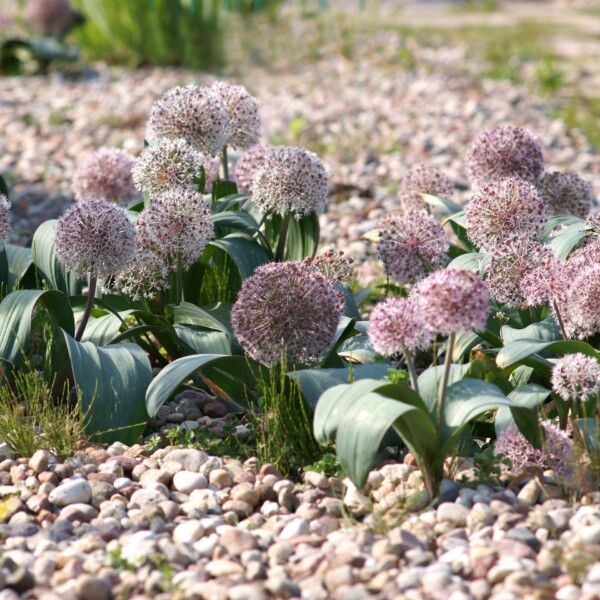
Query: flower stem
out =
(446, 377)
(88, 308)
(280, 250)
(412, 373)
(179, 279)
(224, 162)
(560, 321)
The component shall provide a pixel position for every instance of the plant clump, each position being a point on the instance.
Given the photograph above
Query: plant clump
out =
(576, 376)
(423, 179)
(247, 166)
(49, 17)
(286, 308)
(5, 227)
(105, 173)
(566, 193)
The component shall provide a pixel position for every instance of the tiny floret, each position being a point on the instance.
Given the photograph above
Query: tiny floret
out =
(504, 151)
(192, 113)
(285, 308)
(95, 236)
(576, 377)
(242, 109)
(49, 17)
(452, 300)
(503, 209)
(411, 245)
(423, 179)
(247, 165)
(5, 227)
(567, 193)
(396, 326)
(105, 173)
(290, 180)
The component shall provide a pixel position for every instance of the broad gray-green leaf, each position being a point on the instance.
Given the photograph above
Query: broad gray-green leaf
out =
(591, 435)
(463, 344)
(519, 350)
(358, 349)
(245, 252)
(112, 382)
(448, 206)
(102, 330)
(563, 242)
(204, 341)
(555, 220)
(528, 396)
(472, 261)
(429, 382)
(19, 261)
(546, 331)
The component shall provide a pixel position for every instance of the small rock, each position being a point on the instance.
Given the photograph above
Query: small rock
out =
(88, 587)
(295, 528)
(187, 481)
(71, 491)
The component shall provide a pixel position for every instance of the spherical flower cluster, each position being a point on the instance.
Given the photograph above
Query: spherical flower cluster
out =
(592, 223)
(179, 224)
(566, 193)
(242, 109)
(409, 242)
(105, 173)
(334, 265)
(49, 17)
(247, 166)
(515, 270)
(581, 308)
(545, 281)
(504, 151)
(576, 376)
(557, 452)
(290, 179)
(172, 163)
(423, 179)
(5, 228)
(95, 236)
(396, 327)
(192, 113)
(286, 308)
(452, 300)
(503, 209)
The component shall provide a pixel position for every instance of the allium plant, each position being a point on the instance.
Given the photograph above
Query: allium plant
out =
(502, 209)
(49, 17)
(557, 453)
(192, 113)
(423, 179)
(286, 309)
(95, 238)
(5, 227)
(247, 165)
(504, 151)
(411, 246)
(581, 310)
(576, 377)
(173, 163)
(105, 173)
(334, 265)
(566, 193)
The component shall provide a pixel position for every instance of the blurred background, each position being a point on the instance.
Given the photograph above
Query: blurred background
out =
(372, 86)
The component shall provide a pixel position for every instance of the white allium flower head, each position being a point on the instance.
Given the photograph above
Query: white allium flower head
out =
(247, 165)
(576, 377)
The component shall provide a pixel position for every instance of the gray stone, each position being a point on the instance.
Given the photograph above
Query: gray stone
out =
(88, 587)
(187, 481)
(71, 491)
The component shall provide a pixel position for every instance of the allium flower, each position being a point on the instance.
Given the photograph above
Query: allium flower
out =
(5, 228)
(286, 307)
(290, 179)
(242, 109)
(173, 163)
(408, 241)
(179, 224)
(581, 308)
(566, 193)
(504, 151)
(452, 300)
(515, 270)
(105, 173)
(49, 17)
(95, 236)
(423, 179)
(503, 209)
(545, 281)
(396, 326)
(334, 265)
(247, 165)
(557, 452)
(192, 113)
(576, 376)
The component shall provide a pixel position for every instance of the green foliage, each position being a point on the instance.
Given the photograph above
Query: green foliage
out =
(328, 464)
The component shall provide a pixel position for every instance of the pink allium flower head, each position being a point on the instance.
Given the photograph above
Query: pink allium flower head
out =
(581, 308)
(503, 209)
(396, 326)
(5, 228)
(95, 236)
(512, 271)
(546, 281)
(192, 113)
(173, 163)
(286, 307)
(49, 17)
(566, 193)
(452, 300)
(247, 165)
(576, 376)
(408, 241)
(557, 452)
(423, 179)
(592, 223)
(504, 151)
(334, 265)
(290, 179)
(179, 223)
(105, 173)
(242, 109)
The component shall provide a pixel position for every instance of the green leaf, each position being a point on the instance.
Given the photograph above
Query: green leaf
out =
(528, 396)
(112, 382)
(50, 268)
(515, 352)
(464, 343)
(429, 382)
(223, 188)
(559, 220)
(16, 313)
(204, 341)
(228, 202)
(358, 349)
(244, 251)
(235, 220)
(472, 261)
(567, 239)
(448, 206)
(303, 237)
(591, 435)
(546, 330)
(20, 261)
(102, 330)
(3, 186)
